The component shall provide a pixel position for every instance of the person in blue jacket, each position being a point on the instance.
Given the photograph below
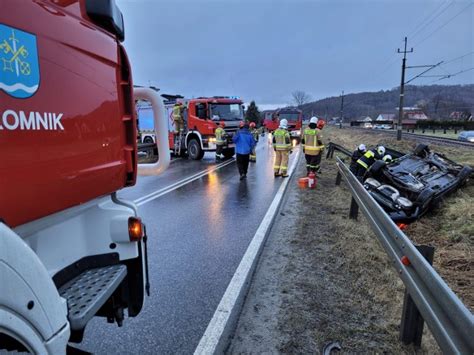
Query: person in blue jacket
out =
(244, 143)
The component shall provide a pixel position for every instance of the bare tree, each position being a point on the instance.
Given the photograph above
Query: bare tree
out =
(300, 97)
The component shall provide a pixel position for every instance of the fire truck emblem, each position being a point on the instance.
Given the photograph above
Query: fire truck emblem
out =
(19, 65)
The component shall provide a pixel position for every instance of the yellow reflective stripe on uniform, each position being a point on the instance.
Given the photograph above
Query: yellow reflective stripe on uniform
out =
(363, 164)
(219, 135)
(176, 112)
(369, 154)
(280, 139)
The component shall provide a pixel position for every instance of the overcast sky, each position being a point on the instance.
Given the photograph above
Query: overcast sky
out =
(264, 49)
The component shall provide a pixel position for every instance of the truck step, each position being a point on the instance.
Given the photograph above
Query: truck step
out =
(87, 292)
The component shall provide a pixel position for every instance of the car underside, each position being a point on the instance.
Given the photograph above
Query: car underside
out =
(414, 183)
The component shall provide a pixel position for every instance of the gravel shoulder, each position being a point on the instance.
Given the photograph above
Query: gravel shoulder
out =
(322, 278)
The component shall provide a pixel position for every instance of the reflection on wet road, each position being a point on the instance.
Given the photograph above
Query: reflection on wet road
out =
(198, 234)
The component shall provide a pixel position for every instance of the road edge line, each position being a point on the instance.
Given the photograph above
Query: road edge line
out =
(219, 330)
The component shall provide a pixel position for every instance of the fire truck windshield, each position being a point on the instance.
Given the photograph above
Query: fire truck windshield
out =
(289, 116)
(227, 112)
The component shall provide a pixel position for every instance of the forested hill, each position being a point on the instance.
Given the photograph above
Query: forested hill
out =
(437, 101)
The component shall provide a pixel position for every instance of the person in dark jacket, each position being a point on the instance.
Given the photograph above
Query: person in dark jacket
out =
(365, 162)
(244, 144)
(356, 155)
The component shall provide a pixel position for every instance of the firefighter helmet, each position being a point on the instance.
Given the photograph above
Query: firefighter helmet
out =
(321, 124)
(252, 125)
(313, 119)
(381, 150)
(387, 158)
(284, 123)
(362, 147)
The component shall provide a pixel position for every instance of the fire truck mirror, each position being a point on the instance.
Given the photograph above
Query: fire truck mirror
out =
(153, 122)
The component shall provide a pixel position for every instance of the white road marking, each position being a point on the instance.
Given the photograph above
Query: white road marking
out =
(163, 191)
(221, 326)
(154, 195)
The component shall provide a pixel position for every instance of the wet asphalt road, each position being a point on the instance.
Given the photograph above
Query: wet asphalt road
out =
(197, 237)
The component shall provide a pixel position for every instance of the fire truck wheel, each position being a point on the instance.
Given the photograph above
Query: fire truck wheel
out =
(148, 140)
(228, 153)
(194, 150)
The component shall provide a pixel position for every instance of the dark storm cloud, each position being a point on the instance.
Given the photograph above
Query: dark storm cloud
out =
(264, 50)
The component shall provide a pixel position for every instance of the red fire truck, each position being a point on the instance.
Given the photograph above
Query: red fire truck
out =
(70, 249)
(292, 115)
(201, 116)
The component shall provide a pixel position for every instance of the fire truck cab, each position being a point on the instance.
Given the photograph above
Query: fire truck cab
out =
(292, 115)
(202, 116)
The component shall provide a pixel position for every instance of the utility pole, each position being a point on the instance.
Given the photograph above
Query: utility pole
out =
(342, 109)
(402, 90)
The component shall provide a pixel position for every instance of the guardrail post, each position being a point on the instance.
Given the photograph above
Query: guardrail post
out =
(354, 210)
(455, 131)
(330, 149)
(411, 329)
(444, 131)
(338, 178)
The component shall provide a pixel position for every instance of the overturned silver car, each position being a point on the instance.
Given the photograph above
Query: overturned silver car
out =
(413, 183)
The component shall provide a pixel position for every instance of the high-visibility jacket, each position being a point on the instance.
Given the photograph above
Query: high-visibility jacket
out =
(255, 133)
(281, 139)
(220, 135)
(368, 158)
(177, 112)
(312, 141)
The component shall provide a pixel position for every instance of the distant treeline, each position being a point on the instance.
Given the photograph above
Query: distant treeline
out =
(437, 101)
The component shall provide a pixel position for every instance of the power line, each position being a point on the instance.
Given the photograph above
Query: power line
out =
(434, 18)
(426, 18)
(457, 58)
(443, 25)
(451, 75)
(427, 70)
(418, 29)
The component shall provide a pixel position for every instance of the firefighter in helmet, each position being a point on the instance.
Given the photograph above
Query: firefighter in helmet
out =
(254, 132)
(356, 155)
(221, 138)
(312, 145)
(178, 117)
(366, 161)
(387, 159)
(282, 147)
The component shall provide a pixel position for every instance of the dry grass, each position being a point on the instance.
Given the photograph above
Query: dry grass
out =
(450, 228)
(339, 283)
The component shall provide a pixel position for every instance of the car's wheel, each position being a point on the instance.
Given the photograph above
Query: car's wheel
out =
(194, 149)
(421, 150)
(464, 174)
(424, 198)
(228, 153)
(376, 168)
(148, 139)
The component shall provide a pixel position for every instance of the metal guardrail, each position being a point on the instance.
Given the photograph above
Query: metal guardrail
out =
(450, 322)
(332, 147)
(417, 136)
